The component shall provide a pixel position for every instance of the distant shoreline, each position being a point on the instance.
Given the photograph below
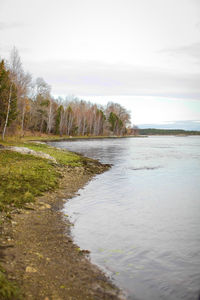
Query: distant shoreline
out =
(176, 132)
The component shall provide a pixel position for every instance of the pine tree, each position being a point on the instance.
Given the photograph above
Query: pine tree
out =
(58, 120)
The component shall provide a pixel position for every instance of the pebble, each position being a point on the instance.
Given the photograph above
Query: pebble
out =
(14, 223)
(30, 270)
(44, 206)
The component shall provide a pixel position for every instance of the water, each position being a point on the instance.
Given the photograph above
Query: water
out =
(141, 219)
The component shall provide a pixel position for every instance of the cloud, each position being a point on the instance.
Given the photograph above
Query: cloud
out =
(10, 25)
(95, 78)
(184, 125)
(192, 50)
(198, 25)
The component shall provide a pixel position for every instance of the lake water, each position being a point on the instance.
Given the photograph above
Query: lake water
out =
(141, 219)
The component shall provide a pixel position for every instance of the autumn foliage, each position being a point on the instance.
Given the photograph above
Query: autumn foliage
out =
(28, 105)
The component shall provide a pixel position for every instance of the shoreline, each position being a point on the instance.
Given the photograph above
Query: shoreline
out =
(38, 251)
(88, 138)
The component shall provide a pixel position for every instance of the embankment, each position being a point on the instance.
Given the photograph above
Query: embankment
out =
(37, 251)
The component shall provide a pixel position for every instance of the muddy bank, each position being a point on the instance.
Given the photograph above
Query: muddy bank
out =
(39, 254)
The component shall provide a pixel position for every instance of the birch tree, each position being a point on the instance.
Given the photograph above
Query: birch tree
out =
(51, 115)
(22, 81)
(41, 105)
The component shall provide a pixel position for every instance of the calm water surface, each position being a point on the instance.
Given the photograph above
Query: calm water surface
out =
(141, 219)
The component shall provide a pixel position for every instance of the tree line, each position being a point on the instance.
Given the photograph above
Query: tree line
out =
(154, 131)
(28, 105)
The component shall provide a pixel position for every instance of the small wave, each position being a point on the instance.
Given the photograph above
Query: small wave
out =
(145, 168)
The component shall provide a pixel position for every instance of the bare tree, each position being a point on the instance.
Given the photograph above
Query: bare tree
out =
(22, 82)
(51, 115)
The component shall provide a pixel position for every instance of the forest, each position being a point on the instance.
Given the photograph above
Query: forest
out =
(27, 106)
(153, 131)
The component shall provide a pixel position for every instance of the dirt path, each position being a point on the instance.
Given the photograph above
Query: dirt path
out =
(40, 254)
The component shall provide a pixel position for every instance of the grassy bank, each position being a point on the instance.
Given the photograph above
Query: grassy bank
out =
(52, 137)
(23, 178)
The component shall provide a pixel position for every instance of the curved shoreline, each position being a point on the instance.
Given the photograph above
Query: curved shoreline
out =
(39, 253)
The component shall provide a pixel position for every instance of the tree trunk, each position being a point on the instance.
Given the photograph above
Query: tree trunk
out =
(49, 125)
(22, 124)
(8, 111)
(41, 125)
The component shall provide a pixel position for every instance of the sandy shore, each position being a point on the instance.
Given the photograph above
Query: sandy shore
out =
(38, 251)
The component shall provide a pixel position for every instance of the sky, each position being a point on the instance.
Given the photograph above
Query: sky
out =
(143, 54)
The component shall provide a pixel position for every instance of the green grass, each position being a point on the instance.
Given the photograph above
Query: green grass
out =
(63, 157)
(8, 289)
(23, 177)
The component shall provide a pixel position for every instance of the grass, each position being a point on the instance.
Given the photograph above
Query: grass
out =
(8, 290)
(52, 137)
(62, 156)
(38, 137)
(23, 177)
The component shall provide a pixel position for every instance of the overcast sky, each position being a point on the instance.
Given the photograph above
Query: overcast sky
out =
(144, 54)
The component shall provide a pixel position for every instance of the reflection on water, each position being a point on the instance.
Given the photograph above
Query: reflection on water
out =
(140, 219)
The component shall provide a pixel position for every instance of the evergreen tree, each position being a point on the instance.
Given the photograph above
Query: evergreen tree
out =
(8, 99)
(58, 119)
(113, 121)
